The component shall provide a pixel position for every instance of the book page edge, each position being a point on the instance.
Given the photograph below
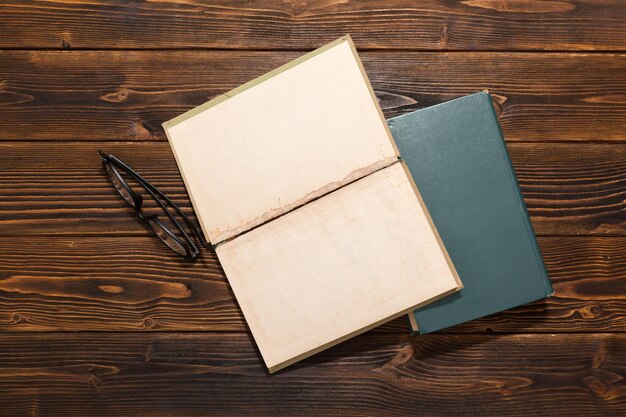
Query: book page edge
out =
(412, 322)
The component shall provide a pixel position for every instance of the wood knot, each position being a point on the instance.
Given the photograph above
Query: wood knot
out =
(590, 311)
(403, 356)
(66, 40)
(443, 35)
(600, 356)
(498, 103)
(122, 94)
(388, 101)
(16, 318)
(148, 323)
(149, 354)
(597, 386)
(12, 97)
(143, 131)
(398, 368)
(95, 381)
(299, 9)
(111, 289)
(117, 96)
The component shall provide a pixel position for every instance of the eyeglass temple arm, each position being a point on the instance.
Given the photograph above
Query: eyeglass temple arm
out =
(154, 190)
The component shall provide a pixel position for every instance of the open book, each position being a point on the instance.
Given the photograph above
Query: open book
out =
(297, 183)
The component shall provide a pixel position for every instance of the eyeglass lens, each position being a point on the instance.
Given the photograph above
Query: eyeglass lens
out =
(165, 237)
(114, 176)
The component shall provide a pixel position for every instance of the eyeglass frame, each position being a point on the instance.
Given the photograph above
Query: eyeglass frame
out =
(191, 249)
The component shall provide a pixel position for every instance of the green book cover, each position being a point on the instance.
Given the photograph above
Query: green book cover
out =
(457, 156)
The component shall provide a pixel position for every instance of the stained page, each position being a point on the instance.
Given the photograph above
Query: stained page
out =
(279, 141)
(337, 266)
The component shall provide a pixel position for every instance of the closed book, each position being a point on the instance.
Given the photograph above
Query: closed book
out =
(458, 159)
(296, 181)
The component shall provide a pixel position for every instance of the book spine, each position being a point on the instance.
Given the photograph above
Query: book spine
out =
(522, 205)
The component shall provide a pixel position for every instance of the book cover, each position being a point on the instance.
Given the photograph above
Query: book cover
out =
(457, 156)
(296, 181)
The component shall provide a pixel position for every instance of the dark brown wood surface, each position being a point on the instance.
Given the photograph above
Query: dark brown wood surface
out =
(299, 24)
(132, 283)
(97, 318)
(166, 374)
(126, 95)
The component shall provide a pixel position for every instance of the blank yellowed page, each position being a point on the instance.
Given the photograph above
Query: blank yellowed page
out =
(286, 140)
(336, 267)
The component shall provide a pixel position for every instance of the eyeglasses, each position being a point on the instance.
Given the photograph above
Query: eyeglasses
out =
(185, 246)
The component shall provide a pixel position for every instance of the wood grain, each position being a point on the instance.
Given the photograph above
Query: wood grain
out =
(74, 258)
(126, 95)
(110, 284)
(374, 375)
(137, 284)
(59, 188)
(266, 24)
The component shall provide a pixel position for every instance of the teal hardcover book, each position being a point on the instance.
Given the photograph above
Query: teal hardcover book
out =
(457, 156)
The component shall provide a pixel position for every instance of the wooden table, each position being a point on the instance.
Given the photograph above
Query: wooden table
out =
(98, 318)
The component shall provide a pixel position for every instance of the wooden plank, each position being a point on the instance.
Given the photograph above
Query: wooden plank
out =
(265, 24)
(60, 188)
(374, 375)
(109, 284)
(137, 284)
(126, 95)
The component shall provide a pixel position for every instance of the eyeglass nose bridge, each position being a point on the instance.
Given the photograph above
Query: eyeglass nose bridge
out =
(139, 205)
(111, 164)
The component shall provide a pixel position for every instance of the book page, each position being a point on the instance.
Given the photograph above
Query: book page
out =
(290, 137)
(337, 266)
